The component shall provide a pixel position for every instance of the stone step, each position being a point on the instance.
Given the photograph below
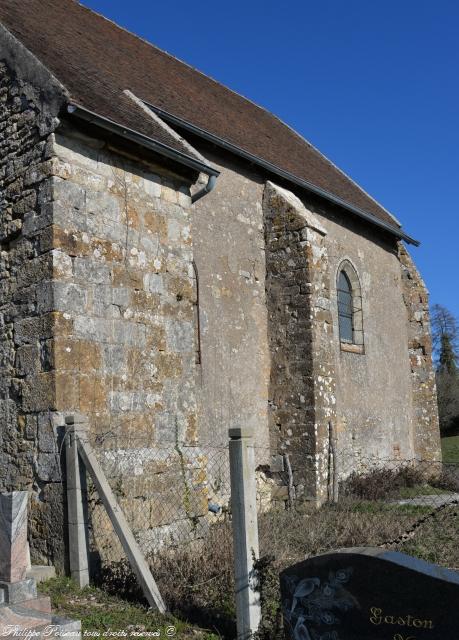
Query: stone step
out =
(42, 603)
(41, 572)
(15, 592)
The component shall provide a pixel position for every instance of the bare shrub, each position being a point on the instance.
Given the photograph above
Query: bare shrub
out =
(196, 581)
(382, 483)
(447, 479)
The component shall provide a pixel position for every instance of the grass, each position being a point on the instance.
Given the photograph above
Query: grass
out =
(101, 612)
(421, 490)
(291, 537)
(435, 540)
(450, 449)
(197, 583)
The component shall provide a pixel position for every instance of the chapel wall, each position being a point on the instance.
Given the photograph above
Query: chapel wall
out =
(426, 429)
(28, 453)
(229, 251)
(125, 352)
(374, 397)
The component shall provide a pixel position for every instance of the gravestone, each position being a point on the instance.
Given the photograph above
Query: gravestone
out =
(23, 613)
(369, 594)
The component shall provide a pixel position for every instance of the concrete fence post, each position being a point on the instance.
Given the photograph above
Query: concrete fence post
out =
(77, 504)
(245, 530)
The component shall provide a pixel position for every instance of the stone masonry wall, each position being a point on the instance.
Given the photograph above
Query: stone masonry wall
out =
(302, 397)
(426, 431)
(96, 316)
(124, 353)
(228, 248)
(27, 446)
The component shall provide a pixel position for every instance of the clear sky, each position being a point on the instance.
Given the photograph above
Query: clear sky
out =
(373, 84)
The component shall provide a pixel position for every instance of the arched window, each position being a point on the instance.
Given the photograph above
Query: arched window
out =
(350, 318)
(345, 312)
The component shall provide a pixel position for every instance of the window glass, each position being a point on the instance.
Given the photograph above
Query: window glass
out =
(345, 308)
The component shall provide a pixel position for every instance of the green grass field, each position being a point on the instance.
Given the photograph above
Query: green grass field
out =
(450, 449)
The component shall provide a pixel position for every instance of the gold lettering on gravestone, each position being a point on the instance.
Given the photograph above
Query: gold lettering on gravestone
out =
(377, 617)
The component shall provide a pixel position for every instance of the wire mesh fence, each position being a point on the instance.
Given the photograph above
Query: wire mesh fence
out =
(405, 505)
(176, 498)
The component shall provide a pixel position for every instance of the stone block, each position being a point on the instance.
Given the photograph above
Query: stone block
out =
(154, 283)
(28, 360)
(47, 467)
(66, 391)
(93, 394)
(13, 536)
(68, 193)
(179, 336)
(97, 329)
(62, 265)
(152, 185)
(38, 393)
(15, 592)
(103, 204)
(88, 270)
(40, 573)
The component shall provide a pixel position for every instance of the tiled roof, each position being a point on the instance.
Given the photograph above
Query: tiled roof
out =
(97, 61)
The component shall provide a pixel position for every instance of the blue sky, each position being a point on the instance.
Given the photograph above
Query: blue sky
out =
(373, 85)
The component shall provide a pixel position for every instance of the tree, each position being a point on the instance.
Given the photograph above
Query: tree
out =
(445, 336)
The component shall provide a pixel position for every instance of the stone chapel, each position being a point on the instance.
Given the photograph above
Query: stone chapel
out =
(177, 261)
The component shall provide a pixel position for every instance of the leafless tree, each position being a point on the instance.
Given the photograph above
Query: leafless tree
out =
(445, 335)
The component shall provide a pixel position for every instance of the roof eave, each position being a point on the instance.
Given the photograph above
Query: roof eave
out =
(134, 136)
(184, 124)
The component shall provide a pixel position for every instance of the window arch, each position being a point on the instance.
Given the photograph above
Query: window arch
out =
(349, 298)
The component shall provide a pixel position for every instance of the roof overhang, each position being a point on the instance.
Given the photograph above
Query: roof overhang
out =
(304, 184)
(140, 139)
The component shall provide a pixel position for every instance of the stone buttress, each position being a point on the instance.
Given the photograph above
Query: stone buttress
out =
(302, 402)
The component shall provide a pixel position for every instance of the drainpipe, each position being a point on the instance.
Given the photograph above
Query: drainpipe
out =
(205, 190)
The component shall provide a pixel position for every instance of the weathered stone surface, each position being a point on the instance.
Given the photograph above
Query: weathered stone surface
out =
(301, 350)
(426, 432)
(13, 536)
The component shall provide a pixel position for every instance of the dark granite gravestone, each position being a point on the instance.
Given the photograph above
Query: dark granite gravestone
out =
(369, 594)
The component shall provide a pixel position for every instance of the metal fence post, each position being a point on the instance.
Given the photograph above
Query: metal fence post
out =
(245, 529)
(77, 505)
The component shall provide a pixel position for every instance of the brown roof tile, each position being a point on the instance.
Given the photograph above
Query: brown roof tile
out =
(96, 61)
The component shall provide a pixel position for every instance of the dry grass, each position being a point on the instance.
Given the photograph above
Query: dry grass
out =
(196, 581)
(290, 536)
(435, 540)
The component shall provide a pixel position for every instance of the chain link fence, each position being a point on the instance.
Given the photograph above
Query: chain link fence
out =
(176, 498)
(405, 505)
